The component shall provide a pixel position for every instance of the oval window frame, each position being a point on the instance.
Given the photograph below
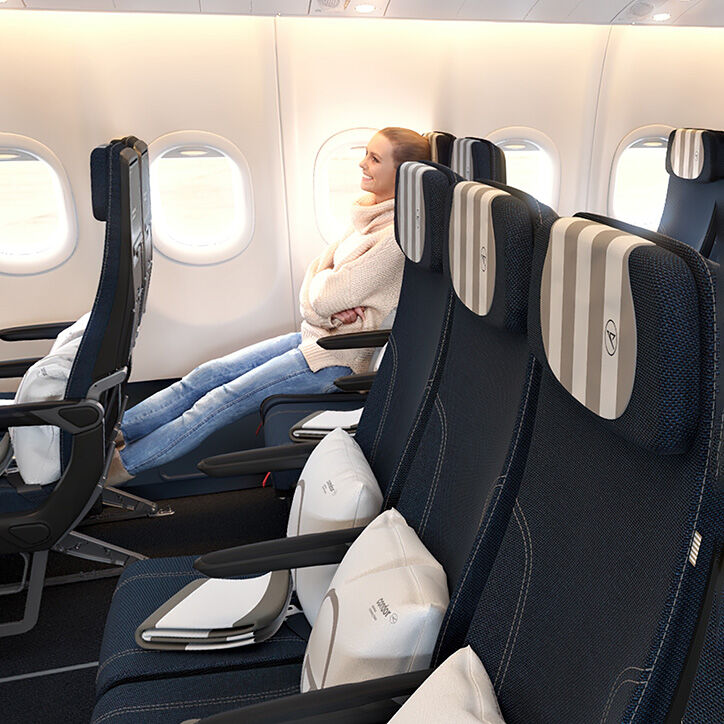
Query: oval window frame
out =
(508, 134)
(238, 239)
(32, 264)
(652, 130)
(321, 160)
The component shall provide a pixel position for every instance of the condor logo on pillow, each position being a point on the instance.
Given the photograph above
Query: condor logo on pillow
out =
(379, 610)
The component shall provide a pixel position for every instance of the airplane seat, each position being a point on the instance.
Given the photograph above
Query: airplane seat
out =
(590, 606)
(694, 208)
(477, 159)
(472, 158)
(36, 518)
(395, 413)
(473, 442)
(440, 146)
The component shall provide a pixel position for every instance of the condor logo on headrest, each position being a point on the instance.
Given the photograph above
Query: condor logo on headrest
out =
(611, 337)
(587, 316)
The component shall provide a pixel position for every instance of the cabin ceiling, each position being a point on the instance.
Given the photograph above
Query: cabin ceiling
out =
(617, 12)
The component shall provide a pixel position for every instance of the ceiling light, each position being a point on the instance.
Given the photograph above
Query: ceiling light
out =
(364, 8)
(662, 17)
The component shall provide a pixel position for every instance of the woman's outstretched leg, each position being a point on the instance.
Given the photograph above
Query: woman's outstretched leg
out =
(230, 401)
(167, 404)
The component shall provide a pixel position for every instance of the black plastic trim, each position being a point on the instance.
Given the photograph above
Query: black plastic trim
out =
(346, 703)
(314, 549)
(355, 340)
(258, 460)
(355, 383)
(33, 331)
(17, 367)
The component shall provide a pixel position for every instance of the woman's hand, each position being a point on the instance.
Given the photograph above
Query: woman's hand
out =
(349, 316)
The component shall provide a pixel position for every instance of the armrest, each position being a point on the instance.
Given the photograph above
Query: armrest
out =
(259, 460)
(355, 383)
(17, 367)
(348, 703)
(33, 331)
(301, 551)
(355, 340)
(73, 416)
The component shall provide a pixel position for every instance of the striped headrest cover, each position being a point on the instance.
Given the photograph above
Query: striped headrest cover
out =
(476, 159)
(472, 245)
(410, 208)
(588, 321)
(696, 155)
(440, 146)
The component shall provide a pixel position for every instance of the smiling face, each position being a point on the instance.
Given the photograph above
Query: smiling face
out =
(379, 169)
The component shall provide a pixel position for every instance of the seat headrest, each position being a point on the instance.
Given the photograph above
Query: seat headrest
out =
(614, 316)
(476, 159)
(489, 252)
(423, 192)
(696, 155)
(99, 169)
(440, 146)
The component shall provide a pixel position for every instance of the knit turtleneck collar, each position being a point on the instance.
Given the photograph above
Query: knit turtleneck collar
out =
(368, 216)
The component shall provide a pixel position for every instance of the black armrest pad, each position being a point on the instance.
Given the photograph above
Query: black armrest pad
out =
(33, 331)
(314, 549)
(259, 460)
(73, 416)
(355, 383)
(355, 340)
(17, 367)
(334, 704)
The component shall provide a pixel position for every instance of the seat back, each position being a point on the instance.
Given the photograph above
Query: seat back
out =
(590, 605)
(399, 400)
(476, 159)
(463, 477)
(694, 209)
(440, 146)
(101, 365)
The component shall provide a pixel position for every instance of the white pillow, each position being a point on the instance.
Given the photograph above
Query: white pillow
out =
(37, 449)
(458, 691)
(383, 610)
(337, 489)
(71, 333)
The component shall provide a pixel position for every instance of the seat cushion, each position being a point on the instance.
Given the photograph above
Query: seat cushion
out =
(143, 587)
(193, 697)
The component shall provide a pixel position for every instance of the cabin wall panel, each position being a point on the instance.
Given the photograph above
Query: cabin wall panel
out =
(80, 79)
(468, 78)
(654, 76)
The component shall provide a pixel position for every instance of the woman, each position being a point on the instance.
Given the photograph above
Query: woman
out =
(352, 286)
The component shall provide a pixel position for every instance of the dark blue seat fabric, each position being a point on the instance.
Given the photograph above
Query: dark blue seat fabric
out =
(694, 209)
(191, 697)
(481, 160)
(464, 469)
(141, 589)
(589, 608)
(392, 421)
(706, 701)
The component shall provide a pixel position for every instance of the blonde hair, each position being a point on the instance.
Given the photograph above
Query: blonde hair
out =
(407, 145)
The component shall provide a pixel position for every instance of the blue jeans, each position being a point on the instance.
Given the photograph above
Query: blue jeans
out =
(175, 420)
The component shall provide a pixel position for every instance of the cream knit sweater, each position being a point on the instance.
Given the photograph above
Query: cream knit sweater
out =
(364, 269)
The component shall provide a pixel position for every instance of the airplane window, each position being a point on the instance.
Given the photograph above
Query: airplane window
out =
(530, 168)
(37, 216)
(201, 197)
(640, 181)
(336, 180)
